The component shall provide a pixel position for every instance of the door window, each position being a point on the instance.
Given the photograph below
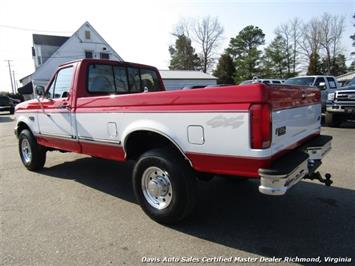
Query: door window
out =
(318, 82)
(332, 83)
(61, 84)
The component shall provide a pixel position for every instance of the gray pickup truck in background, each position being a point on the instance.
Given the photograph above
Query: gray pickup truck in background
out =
(327, 84)
(340, 105)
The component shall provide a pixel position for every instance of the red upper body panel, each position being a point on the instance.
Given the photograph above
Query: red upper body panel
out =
(219, 98)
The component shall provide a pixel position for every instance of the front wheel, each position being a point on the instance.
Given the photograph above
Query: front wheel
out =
(32, 154)
(164, 186)
(332, 120)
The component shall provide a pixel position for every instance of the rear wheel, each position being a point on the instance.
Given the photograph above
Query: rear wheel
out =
(32, 154)
(164, 185)
(332, 119)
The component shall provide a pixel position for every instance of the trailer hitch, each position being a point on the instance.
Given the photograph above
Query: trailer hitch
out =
(325, 180)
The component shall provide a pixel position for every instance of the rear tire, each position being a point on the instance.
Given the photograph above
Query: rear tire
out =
(33, 155)
(332, 120)
(164, 185)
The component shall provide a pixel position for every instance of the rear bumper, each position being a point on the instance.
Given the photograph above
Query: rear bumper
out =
(288, 170)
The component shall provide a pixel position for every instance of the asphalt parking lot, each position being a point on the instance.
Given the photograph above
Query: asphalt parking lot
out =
(81, 211)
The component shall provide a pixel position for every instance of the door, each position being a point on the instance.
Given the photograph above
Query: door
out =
(320, 83)
(55, 120)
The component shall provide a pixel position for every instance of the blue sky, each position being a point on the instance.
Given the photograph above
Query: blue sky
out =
(139, 31)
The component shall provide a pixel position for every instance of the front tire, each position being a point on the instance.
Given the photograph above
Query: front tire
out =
(332, 120)
(33, 155)
(164, 185)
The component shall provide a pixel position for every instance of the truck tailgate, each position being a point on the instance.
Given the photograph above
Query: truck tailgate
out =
(296, 116)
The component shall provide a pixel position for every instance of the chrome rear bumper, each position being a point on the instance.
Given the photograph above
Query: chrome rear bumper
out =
(288, 170)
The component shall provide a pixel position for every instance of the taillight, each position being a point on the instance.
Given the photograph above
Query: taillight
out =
(260, 126)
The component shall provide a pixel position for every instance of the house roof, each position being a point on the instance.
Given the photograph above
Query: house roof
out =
(51, 40)
(185, 74)
(66, 43)
(346, 76)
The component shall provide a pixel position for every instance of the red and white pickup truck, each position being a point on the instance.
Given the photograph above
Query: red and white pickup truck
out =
(121, 111)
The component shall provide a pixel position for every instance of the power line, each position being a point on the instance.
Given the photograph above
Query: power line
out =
(29, 29)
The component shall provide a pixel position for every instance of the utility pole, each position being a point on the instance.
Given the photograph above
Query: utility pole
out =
(15, 84)
(12, 82)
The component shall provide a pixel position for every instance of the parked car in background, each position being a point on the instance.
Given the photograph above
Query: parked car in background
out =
(350, 83)
(7, 104)
(265, 81)
(326, 84)
(206, 86)
(341, 105)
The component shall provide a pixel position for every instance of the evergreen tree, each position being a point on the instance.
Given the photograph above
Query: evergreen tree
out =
(225, 69)
(183, 56)
(315, 66)
(244, 50)
(277, 54)
(339, 67)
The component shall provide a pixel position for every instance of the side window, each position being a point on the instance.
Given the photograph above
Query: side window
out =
(100, 79)
(50, 91)
(318, 82)
(134, 80)
(63, 82)
(150, 80)
(121, 79)
(332, 83)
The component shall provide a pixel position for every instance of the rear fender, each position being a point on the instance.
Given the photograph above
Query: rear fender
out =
(153, 126)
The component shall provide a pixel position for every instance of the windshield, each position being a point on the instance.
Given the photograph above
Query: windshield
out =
(351, 83)
(246, 82)
(307, 81)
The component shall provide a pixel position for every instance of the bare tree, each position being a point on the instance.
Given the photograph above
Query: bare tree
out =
(284, 31)
(296, 33)
(331, 31)
(183, 28)
(291, 33)
(309, 43)
(337, 31)
(326, 37)
(207, 33)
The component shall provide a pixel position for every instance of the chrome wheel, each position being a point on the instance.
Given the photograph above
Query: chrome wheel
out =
(26, 151)
(156, 187)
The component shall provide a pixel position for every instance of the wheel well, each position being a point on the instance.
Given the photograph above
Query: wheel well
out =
(21, 126)
(141, 141)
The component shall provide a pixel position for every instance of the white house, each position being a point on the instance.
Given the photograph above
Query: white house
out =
(48, 52)
(177, 79)
(342, 79)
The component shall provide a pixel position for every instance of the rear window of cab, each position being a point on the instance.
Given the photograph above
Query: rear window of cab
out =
(115, 79)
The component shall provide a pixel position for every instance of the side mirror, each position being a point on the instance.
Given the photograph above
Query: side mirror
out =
(321, 85)
(39, 90)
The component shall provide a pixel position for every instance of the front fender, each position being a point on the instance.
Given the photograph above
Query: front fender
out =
(30, 120)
